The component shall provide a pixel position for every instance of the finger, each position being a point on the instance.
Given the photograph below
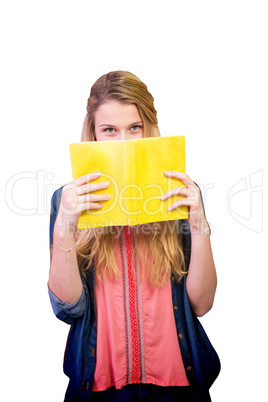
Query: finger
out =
(86, 178)
(91, 205)
(179, 203)
(176, 191)
(93, 198)
(89, 187)
(180, 176)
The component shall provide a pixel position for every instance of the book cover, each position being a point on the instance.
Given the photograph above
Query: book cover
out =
(135, 169)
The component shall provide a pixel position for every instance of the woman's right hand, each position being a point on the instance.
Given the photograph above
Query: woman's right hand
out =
(76, 198)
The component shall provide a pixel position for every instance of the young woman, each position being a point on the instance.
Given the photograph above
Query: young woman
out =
(131, 294)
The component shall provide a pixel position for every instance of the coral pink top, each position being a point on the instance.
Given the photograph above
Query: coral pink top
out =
(136, 339)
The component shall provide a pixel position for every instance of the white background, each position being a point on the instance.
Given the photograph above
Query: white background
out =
(206, 63)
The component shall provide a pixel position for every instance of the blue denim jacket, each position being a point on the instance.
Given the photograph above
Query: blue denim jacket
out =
(200, 360)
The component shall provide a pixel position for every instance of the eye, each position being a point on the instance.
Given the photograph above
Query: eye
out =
(136, 127)
(109, 130)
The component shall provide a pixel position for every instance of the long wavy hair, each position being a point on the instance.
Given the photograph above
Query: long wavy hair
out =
(159, 247)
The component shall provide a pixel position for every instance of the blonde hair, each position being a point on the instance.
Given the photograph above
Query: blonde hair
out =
(162, 242)
(126, 88)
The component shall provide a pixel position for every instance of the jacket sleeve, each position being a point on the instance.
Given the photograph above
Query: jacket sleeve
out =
(55, 203)
(65, 311)
(201, 196)
(68, 312)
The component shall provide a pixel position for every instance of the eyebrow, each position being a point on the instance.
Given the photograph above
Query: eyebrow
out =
(111, 125)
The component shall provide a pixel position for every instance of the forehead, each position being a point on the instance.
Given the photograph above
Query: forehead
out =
(115, 112)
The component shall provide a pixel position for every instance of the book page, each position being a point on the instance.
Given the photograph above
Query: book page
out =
(154, 156)
(135, 169)
(109, 158)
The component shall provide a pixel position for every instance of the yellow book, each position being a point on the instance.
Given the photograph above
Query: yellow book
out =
(135, 169)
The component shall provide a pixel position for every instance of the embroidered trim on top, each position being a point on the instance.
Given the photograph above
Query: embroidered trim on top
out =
(132, 295)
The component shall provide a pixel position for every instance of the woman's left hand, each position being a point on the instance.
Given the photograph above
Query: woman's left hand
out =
(191, 198)
(201, 279)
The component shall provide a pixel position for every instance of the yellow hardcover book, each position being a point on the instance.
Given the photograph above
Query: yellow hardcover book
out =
(135, 169)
